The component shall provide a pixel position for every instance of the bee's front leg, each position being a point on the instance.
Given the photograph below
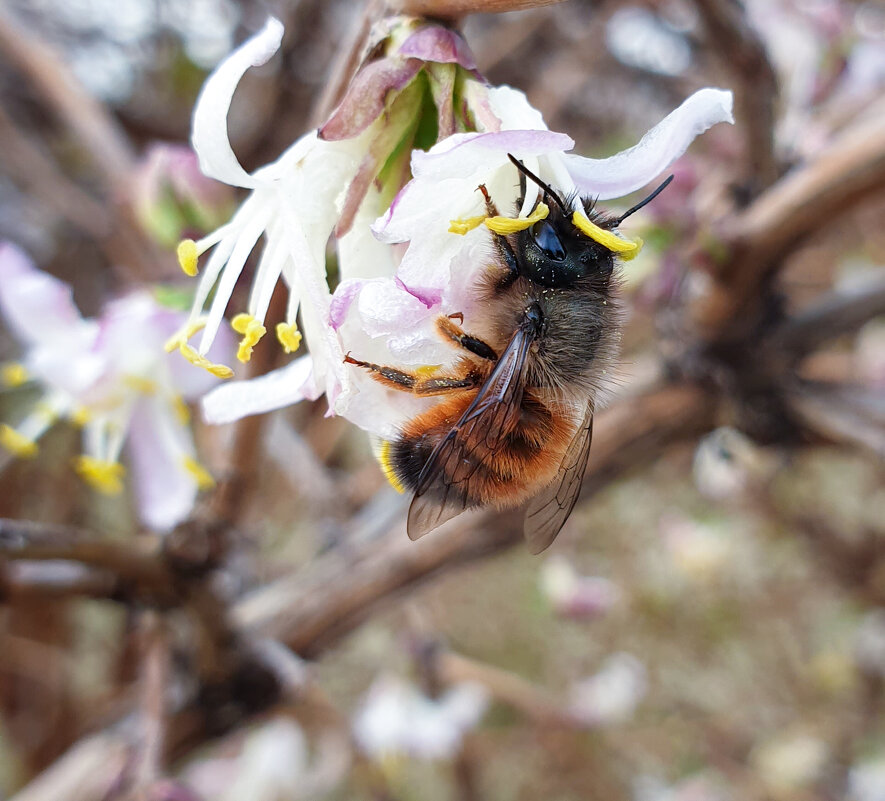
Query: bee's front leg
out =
(416, 384)
(470, 343)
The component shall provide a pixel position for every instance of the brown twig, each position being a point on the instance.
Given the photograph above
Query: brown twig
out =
(742, 53)
(447, 9)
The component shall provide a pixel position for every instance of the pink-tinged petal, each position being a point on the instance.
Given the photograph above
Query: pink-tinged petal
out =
(367, 96)
(342, 298)
(385, 308)
(513, 109)
(634, 168)
(476, 109)
(158, 446)
(209, 133)
(36, 306)
(442, 87)
(462, 155)
(276, 389)
(435, 43)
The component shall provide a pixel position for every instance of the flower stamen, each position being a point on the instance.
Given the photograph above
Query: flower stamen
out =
(462, 225)
(288, 336)
(101, 475)
(190, 353)
(140, 384)
(252, 331)
(200, 474)
(625, 248)
(13, 374)
(17, 443)
(511, 225)
(187, 256)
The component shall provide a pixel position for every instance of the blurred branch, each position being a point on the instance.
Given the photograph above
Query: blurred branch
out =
(758, 239)
(742, 53)
(456, 8)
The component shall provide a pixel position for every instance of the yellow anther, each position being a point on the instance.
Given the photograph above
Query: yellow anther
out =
(182, 410)
(17, 443)
(289, 336)
(626, 248)
(187, 256)
(427, 370)
(13, 374)
(81, 416)
(104, 476)
(462, 226)
(252, 330)
(140, 384)
(48, 412)
(218, 370)
(510, 225)
(387, 467)
(184, 334)
(200, 474)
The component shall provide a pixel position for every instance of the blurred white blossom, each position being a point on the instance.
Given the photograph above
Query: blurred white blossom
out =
(573, 595)
(398, 720)
(789, 762)
(612, 694)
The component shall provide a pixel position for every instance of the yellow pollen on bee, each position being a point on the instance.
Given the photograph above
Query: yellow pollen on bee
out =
(387, 467)
(200, 474)
(462, 226)
(13, 374)
(190, 353)
(625, 248)
(252, 330)
(427, 370)
(511, 225)
(187, 256)
(80, 416)
(17, 443)
(140, 384)
(182, 410)
(101, 475)
(288, 336)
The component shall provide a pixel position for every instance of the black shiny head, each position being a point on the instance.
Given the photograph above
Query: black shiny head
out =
(555, 253)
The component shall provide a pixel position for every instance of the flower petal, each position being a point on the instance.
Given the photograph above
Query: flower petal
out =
(435, 43)
(209, 134)
(367, 96)
(158, 446)
(635, 167)
(276, 389)
(36, 306)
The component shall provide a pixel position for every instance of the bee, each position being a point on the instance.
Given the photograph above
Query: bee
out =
(515, 417)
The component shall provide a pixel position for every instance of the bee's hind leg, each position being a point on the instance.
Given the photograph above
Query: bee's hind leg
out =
(417, 384)
(470, 343)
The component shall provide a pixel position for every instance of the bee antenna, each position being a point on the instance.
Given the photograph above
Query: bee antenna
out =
(641, 203)
(529, 174)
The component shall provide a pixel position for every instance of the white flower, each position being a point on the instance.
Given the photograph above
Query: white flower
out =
(866, 781)
(573, 595)
(440, 214)
(612, 694)
(396, 720)
(111, 377)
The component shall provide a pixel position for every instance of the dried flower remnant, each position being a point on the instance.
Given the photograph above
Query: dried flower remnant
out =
(110, 377)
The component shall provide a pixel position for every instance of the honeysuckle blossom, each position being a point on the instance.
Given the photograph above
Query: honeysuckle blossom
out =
(337, 179)
(398, 720)
(389, 318)
(111, 377)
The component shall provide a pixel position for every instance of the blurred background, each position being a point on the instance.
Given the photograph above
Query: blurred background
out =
(710, 625)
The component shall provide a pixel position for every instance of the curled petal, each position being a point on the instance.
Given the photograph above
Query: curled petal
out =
(276, 389)
(367, 95)
(209, 135)
(435, 43)
(633, 168)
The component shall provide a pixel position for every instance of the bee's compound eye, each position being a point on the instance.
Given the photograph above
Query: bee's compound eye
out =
(548, 240)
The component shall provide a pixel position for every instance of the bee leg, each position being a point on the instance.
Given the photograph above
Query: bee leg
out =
(470, 343)
(410, 382)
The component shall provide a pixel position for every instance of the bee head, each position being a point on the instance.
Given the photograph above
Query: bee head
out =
(554, 252)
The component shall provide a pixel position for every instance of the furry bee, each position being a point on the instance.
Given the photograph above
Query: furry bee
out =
(515, 419)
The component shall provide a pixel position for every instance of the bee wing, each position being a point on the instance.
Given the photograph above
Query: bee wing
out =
(547, 512)
(443, 484)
